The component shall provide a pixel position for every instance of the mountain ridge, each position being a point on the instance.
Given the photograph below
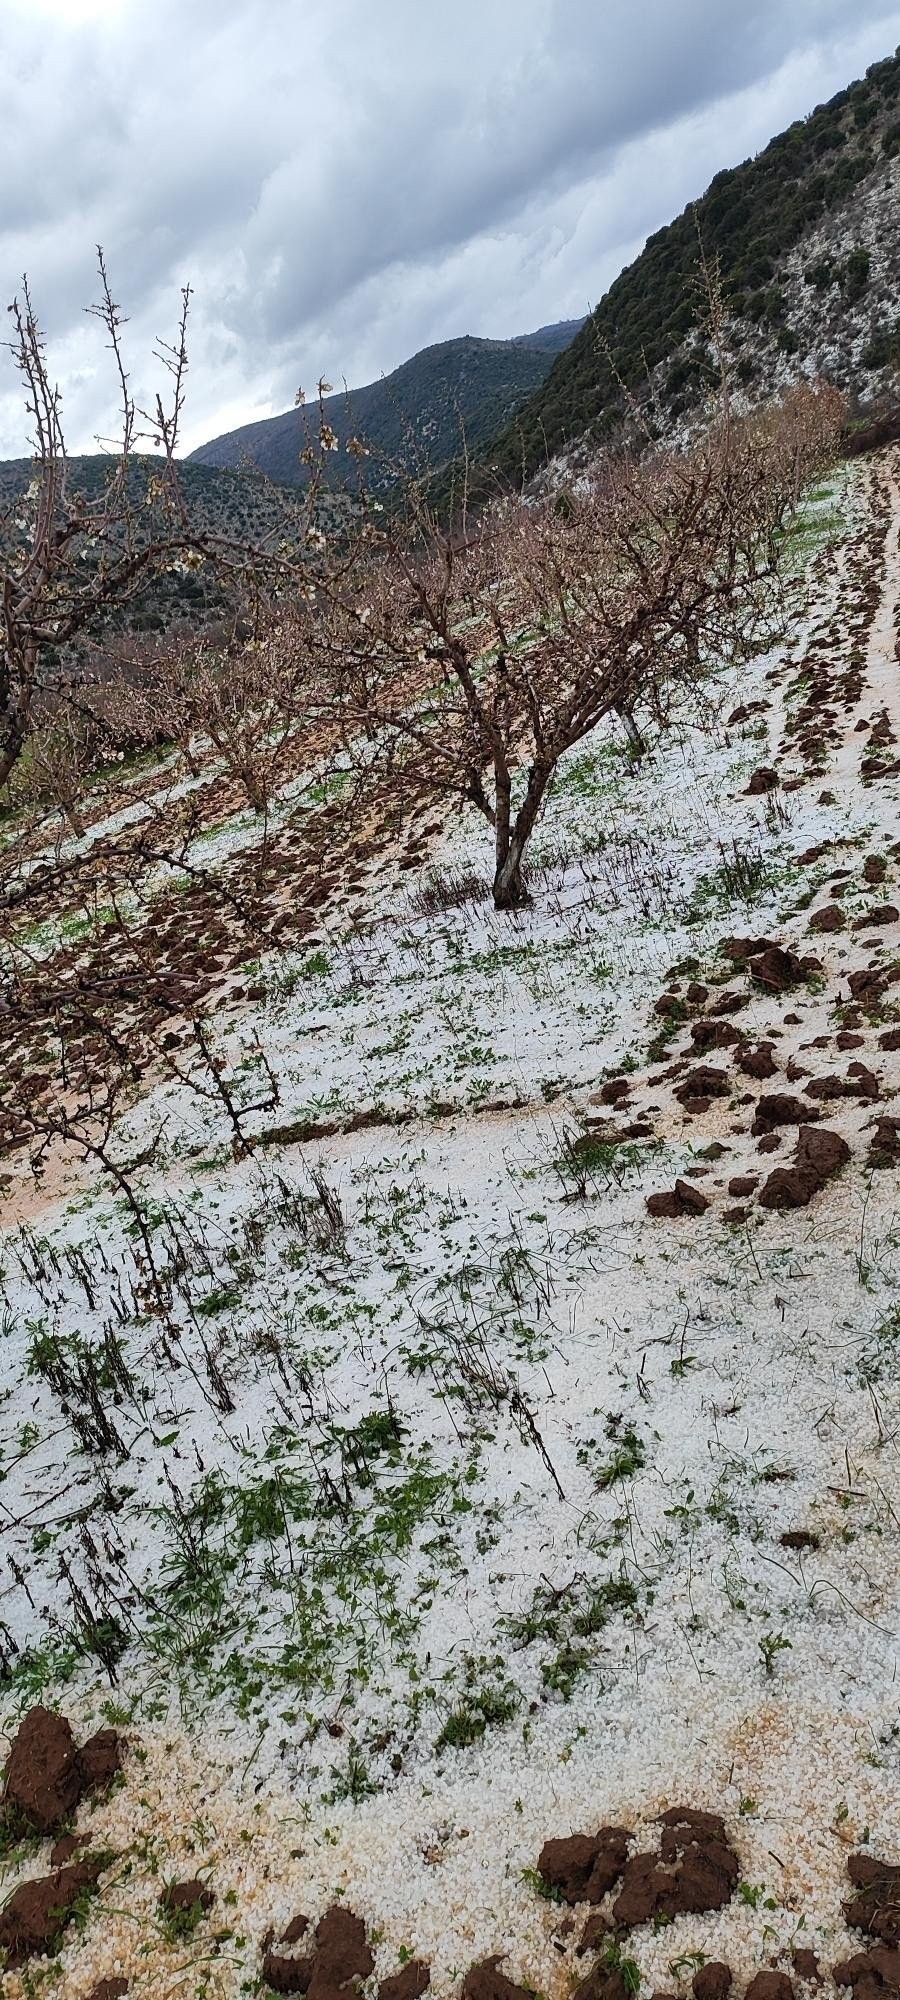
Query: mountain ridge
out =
(410, 417)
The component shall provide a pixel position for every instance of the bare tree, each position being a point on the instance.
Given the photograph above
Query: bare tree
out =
(470, 662)
(70, 558)
(240, 700)
(61, 754)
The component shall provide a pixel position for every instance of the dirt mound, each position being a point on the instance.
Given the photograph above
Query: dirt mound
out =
(780, 1108)
(712, 1981)
(819, 1155)
(671, 1204)
(340, 1956)
(47, 1775)
(876, 1908)
(36, 1915)
(412, 1980)
(696, 1869)
(870, 1974)
(583, 1868)
(485, 1982)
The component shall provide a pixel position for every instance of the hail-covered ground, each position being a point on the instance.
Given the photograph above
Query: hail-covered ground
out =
(402, 1489)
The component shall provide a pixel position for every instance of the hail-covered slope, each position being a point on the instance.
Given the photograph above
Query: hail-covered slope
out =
(420, 1494)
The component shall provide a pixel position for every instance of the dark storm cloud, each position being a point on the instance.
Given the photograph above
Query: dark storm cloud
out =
(343, 182)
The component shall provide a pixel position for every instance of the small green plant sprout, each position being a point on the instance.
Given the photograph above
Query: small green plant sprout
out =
(615, 1960)
(183, 1905)
(770, 1645)
(754, 1895)
(540, 1885)
(747, 1805)
(628, 1455)
(477, 1712)
(690, 1961)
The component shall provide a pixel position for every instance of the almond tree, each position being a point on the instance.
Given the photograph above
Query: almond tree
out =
(470, 662)
(70, 558)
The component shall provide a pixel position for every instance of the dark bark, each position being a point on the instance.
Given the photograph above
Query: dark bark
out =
(510, 892)
(636, 743)
(9, 756)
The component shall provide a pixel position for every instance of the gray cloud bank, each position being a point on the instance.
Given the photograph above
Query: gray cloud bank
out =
(342, 183)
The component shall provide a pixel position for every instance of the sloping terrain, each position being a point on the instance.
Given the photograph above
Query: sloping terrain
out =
(413, 417)
(491, 1437)
(804, 236)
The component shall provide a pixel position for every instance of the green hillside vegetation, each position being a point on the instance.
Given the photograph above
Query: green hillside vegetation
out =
(249, 510)
(412, 418)
(749, 217)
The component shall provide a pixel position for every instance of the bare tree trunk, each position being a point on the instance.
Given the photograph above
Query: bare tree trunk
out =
(636, 743)
(73, 820)
(510, 892)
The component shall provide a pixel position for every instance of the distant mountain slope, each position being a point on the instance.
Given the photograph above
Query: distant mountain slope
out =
(807, 236)
(550, 339)
(228, 503)
(412, 416)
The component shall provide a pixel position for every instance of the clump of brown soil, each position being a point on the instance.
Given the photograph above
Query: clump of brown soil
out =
(819, 1155)
(584, 1867)
(696, 1869)
(34, 1918)
(47, 1775)
(339, 1957)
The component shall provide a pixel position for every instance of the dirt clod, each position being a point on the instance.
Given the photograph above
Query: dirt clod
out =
(43, 1777)
(778, 1107)
(884, 1145)
(758, 1063)
(819, 1155)
(696, 1869)
(487, 1982)
(777, 969)
(99, 1760)
(36, 1915)
(872, 1975)
(180, 1896)
(412, 1980)
(703, 1081)
(672, 1204)
(770, 1986)
(876, 1908)
(712, 1981)
(584, 1867)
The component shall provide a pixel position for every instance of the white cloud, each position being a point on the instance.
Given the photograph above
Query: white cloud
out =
(342, 183)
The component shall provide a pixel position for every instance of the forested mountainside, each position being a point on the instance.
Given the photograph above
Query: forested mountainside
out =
(413, 418)
(806, 239)
(247, 509)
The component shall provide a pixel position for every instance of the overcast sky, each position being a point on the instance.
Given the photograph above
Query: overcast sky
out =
(344, 181)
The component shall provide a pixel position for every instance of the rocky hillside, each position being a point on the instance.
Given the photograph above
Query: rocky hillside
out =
(808, 248)
(412, 417)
